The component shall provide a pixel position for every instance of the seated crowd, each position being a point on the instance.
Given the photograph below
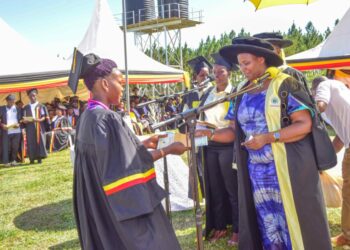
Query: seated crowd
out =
(142, 117)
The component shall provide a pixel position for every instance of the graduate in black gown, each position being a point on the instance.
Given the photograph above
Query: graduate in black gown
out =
(201, 70)
(58, 137)
(72, 118)
(36, 120)
(117, 201)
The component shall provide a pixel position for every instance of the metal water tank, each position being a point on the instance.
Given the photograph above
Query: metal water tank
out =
(150, 11)
(173, 8)
(184, 8)
(139, 11)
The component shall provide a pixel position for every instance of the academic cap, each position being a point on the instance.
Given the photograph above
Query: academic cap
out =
(219, 60)
(80, 66)
(251, 45)
(275, 39)
(198, 63)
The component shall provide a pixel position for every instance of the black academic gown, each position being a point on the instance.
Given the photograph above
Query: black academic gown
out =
(296, 74)
(35, 132)
(189, 99)
(57, 139)
(4, 134)
(117, 201)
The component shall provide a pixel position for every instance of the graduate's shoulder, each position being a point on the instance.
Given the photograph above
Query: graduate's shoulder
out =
(102, 116)
(291, 84)
(97, 123)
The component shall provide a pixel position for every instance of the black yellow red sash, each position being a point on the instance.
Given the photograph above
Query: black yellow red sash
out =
(129, 181)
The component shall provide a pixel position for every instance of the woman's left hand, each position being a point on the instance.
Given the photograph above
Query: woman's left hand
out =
(257, 142)
(152, 142)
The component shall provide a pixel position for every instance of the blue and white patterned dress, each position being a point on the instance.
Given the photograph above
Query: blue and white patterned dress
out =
(262, 171)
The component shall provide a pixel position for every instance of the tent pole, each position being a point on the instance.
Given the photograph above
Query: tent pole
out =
(126, 72)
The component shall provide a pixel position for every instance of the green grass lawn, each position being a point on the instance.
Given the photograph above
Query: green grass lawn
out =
(36, 209)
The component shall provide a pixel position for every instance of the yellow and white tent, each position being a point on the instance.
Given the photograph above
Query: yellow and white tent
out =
(333, 53)
(23, 66)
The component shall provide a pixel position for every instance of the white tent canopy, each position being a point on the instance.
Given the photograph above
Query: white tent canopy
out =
(333, 53)
(104, 38)
(20, 58)
(311, 53)
(24, 66)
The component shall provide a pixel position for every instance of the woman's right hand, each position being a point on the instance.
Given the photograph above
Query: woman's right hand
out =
(176, 148)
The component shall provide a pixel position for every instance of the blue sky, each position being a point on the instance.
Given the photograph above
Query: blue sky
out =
(59, 25)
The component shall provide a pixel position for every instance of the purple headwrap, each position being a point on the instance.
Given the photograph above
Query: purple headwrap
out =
(103, 68)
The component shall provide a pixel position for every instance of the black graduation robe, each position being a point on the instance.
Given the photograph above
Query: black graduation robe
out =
(35, 132)
(306, 215)
(191, 100)
(57, 139)
(4, 135)
(117, 201)
(299, 76)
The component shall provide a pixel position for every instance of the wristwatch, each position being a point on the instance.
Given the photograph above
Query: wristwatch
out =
(276, 136)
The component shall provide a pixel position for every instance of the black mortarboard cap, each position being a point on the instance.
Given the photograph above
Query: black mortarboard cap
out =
(219, 60)
(80, 65)
(274, 38)
(198, 63)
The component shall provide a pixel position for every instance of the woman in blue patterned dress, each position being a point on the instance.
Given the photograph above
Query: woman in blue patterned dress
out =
(280, 201)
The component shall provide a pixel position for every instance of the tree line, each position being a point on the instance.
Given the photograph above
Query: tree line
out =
(303, 39)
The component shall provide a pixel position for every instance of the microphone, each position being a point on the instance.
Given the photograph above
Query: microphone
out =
(270, 72)
(209, 79)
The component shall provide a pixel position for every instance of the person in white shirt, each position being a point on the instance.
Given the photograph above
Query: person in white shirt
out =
(10, 117)
(333, 100)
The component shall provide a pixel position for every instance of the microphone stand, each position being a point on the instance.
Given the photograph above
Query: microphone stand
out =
(190, 118)
(165, 174)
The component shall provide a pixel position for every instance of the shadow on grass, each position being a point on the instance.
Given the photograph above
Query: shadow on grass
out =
(51, 217)
(71, 244)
